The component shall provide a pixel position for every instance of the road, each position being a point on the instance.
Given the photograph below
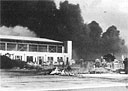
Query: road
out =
(13, 81)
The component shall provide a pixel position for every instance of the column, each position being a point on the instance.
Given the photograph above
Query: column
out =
(6, 46)
(27, 47)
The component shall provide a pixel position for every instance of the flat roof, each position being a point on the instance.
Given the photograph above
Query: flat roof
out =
(28, 38)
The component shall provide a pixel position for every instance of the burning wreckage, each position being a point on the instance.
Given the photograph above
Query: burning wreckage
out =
(106, 64)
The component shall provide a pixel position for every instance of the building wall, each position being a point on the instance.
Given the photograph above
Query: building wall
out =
(69, 49)
(36, 56)
(23, 56)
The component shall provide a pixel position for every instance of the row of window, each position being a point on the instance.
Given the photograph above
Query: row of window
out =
(40, 60)
(31, 48)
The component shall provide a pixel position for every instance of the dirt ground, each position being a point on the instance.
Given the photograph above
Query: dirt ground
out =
(13, 81)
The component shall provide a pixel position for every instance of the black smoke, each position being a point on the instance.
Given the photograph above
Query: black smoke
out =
(65, 23)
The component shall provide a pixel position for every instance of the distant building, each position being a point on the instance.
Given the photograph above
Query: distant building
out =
(37, 50)
(115, 65)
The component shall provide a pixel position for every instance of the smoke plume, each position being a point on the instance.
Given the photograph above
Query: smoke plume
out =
(89, 40)
(63, 23)
(17, 31)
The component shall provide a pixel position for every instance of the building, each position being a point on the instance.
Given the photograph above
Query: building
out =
(37, 50)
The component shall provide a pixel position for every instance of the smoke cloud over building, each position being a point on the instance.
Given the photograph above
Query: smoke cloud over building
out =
(64, 23)
(16, 31)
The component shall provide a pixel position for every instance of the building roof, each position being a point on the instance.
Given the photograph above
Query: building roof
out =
(28, 38)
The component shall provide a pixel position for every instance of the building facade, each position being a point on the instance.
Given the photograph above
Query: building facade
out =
(37, 50)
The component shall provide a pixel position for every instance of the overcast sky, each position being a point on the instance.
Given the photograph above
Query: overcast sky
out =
(105, 12)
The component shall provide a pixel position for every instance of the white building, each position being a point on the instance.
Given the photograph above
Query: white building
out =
(37, 50)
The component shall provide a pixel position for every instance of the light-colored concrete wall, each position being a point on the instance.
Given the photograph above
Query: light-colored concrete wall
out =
(35, 55)
(69, 49)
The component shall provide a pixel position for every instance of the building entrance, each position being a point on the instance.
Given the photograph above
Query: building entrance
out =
(40, 60)
(30, 59)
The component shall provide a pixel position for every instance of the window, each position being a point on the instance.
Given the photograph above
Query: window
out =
(18, 57)
(50, 60)
(40, 59)
(33, 48)
(2, 46)
(52, 48)
(42, 48)
(11, 47)
(60, 59)
(59, 49)
(22, 47)
(29, 58)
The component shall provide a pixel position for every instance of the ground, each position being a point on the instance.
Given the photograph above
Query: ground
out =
(11, 81)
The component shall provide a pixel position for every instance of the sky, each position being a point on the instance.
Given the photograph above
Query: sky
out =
(105, 12)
